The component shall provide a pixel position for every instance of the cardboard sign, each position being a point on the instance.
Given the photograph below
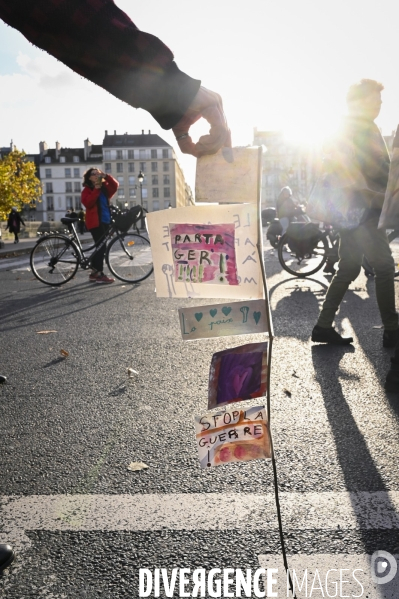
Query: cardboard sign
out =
(237, 374)
(220, 320)
(233, 436)
(228, 176)
(180, 248)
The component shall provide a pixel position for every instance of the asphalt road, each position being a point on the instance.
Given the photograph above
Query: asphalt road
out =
(83, 524)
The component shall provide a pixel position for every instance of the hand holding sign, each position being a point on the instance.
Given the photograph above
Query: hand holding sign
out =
(209, 105)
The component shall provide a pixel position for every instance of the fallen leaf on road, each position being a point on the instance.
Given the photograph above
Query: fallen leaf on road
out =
(295, 375)
(134, 466)
(131, 373)
(288, 393)
(45, 332)
(64, 353)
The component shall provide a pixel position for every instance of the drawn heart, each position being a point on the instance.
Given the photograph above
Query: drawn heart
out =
(226, 311)
(239, 380)
(213, 312)
(198, 316)
(257, 316)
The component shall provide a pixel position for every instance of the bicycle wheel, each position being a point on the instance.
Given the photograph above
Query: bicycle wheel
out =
(54, 260)
(129, 257)
(303, 266)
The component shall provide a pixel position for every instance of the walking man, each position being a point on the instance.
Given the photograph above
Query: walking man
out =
(371, 155)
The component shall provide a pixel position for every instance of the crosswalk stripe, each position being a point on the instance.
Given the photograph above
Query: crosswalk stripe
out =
(202, 511)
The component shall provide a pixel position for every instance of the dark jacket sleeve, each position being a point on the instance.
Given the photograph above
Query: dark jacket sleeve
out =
(100, 42)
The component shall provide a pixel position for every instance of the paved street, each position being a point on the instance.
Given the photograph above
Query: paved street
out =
(83, 524)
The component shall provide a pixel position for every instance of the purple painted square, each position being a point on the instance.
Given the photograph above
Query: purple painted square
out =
(240, 376)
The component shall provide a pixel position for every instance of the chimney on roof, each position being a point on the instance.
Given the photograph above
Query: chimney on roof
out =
(114, 131)
(43, 147)
(87, 148)
(57, 149)
(149, 132)
(106, 132)
(142, 132)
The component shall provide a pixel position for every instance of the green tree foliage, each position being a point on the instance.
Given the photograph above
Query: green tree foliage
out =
(19, 185)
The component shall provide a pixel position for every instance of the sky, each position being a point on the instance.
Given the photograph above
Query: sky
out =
(278, 64)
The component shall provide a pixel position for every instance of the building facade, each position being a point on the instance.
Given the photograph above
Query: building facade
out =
(126, 156)
(285, 164)
(61, 173)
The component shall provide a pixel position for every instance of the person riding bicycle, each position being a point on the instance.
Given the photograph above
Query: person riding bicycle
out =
(98, 189)
(287, 209)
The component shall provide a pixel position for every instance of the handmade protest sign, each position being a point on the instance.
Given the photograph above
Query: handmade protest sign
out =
(228, 176)
(206, 252)
(237, 374)
(233, 436)
(220, 320)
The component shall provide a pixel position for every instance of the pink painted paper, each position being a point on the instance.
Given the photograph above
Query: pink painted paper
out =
(204, 253)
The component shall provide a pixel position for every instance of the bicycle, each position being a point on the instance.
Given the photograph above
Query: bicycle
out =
(55, 258)
(308, 256)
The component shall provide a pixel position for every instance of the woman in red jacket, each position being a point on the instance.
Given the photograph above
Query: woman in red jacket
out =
(98, 189)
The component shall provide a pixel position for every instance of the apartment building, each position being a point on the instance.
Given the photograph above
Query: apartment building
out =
(128, 155)
(61, 173)
(285, 164)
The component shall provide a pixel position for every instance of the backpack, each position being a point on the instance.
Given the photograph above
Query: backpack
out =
(302, 238)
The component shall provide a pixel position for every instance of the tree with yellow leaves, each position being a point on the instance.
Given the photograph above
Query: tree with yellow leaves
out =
(19, 185)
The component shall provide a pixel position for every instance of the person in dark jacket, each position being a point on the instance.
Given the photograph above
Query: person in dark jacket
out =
(14, 222)
(133, 65)
(369, 152)
(98, 189)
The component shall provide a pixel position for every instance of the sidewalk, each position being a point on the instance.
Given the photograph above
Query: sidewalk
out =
(24, 246)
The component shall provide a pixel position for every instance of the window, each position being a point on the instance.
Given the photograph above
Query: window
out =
(67, 172)
(154, 167)
(50, 203)
(155, 205)
(119, 167)
(76, 186)
(121, 192)
(107, 167)
(144, 192)
(68, 186)
(69, 202)
(166, 166)
(145, 204)
(153, 153)
(78, 205)
(167, 204)
(132, 192)
(121, 180)
(155, 192)
(142, 154)
(47, 159)
(166, 180)
(107, 155)
(166, 192)
(62, 158)
(130, 167)
(132, 180)
(155, 179)
(76, 172)
(119, 154)
(165, 154)
(76, 159)
(48, 173)
(130, 154)
(49, 188)
(142, 166)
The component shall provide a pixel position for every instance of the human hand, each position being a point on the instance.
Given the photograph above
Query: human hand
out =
(209, 105)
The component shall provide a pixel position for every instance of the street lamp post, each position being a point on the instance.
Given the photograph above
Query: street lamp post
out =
(140, 178)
